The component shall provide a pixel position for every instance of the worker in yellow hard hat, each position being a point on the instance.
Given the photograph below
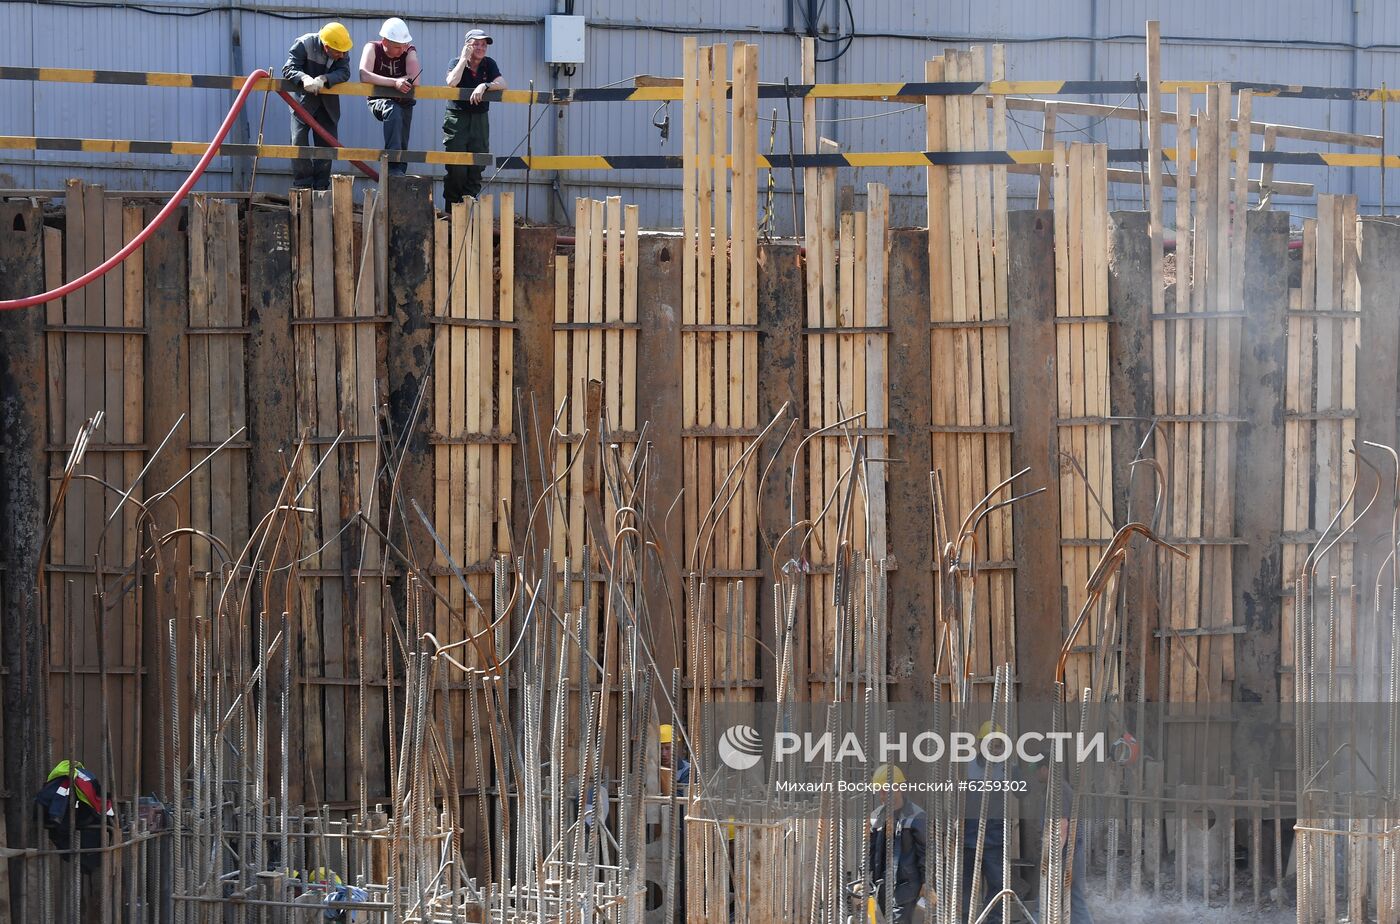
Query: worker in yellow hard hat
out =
(316, 61)
(910, 843)
(675, 777)
(675, 769)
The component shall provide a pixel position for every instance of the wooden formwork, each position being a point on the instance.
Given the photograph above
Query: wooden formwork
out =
(472, 434)
(846, 422)
(96, 365)
(1320, 421)
(720, 361)
(594, 344)
(1081, 338)
(969, 344)
(1196, 348)
(720, 364)
(336, 332)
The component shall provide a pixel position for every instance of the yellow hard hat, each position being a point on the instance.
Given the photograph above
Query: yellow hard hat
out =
(321, 875)
(883, 776)
(988, 728)
(335, 37)
(665, 733)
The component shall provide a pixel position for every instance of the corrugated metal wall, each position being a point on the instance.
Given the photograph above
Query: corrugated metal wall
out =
(1353, 43)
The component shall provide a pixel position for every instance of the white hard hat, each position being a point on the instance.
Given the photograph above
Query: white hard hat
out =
(395, 30)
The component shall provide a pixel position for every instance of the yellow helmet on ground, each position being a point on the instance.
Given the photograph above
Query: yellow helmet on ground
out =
(335, 37)
(665, 734)
(887, 774)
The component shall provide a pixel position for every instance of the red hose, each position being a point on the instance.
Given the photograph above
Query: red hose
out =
(111, 262)
(325, 136)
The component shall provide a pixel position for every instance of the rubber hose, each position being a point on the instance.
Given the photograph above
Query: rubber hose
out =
(326, 136)
(117, 258)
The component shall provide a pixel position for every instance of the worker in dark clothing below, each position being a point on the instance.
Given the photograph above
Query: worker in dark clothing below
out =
(466, 129)
(910, 844)
(392, 62)
(317, 60)
(1079, 912)
(994, 840)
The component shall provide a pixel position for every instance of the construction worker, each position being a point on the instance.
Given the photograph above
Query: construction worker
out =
(910, 843)
(1079, 912)
(674, 777)
(392, 62)
(994, 841)
(317, 60)
(671, 774)
(465, 128)
(73, 797)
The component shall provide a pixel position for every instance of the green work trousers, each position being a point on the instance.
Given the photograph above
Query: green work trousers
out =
(463, 132)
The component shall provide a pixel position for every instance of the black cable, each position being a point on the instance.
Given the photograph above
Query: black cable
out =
(792, 170)
(849, 38)
(189, 10)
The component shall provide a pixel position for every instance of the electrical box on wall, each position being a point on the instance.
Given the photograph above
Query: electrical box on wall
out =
(563, 39)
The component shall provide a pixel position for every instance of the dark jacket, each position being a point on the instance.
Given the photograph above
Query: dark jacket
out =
(972, 808)
(910, 843)
(308, 58)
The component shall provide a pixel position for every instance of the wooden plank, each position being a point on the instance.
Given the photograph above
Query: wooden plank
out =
(484, 387)
(1046, 171)
(30, 261)
(409, 231)
(505, 373)
(305, 266)
(912, 594)
(579, 364)
(1154, 156)
(657, 347)
(1378, 272)
(1032, 281)
(691, 267)
(367, 729)
(1262, 505)
(334, 249)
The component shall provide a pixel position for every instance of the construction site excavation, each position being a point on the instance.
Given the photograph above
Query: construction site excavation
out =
(840, 475)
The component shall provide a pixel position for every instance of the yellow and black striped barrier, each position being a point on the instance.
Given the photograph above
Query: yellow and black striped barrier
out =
(674, 91)
(654, 161)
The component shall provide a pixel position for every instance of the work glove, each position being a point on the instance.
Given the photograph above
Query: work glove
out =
(313, 84)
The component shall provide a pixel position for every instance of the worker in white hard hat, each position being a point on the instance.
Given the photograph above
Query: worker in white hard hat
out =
(317, 61)
(910, 842)
(392, 62)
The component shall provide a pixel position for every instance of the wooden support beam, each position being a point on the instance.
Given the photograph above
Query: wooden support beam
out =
(911, 628)
(1101, 111)
(271, 404)
(659, 405)
(1132, 280)
(410, 225)
(1378, 279)
(1031, 297)
(23, 508)
(1259, 458)
(534, 363)
(780, 316)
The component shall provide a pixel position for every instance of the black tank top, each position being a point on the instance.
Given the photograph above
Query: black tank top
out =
(386, 66)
